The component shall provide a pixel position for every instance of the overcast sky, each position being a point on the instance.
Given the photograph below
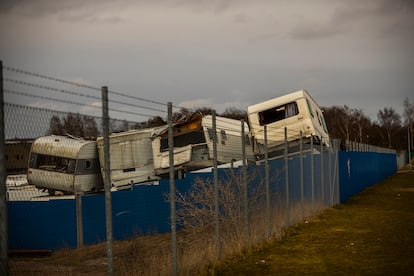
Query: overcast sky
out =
(220, 53)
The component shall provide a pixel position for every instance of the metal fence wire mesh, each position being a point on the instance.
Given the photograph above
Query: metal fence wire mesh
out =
(232, 195)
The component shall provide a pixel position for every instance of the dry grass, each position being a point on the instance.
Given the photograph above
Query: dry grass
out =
(373, 233)
(151, 255)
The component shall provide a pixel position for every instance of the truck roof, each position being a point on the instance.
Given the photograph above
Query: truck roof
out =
(64, 146)
(279, 101)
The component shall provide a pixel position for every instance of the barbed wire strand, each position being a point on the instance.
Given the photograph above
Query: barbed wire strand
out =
(25, 72)
(61, 113)
(72, 102)
(37, 75)
(78, 94)
(28, 73)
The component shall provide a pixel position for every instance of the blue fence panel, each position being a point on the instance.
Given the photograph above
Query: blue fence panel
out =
(93, 218)
(358, 170)
(317, 177)
(43, 225)
(277, 183)
(294, 180)
(145, 209)
(307, 180)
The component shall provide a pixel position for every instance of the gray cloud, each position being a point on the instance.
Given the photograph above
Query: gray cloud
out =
(377, 17)
(47, 7)
(315, 30)
(195, 51)
(387, 7)
(263, 37)
(384, 17)
(240, 18)
(89, 17)
(73, 10)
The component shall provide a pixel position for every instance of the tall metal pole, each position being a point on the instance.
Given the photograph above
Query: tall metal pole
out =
(330, 182)
(312, 176)
(336, 177)
(302, 192)
(216, 189)
(79, 222)
(322, 176)
(173, 219)
(287, 180)
(244, 180)
(409, 146)
(267, 180)
(4, 237)
(107, 180)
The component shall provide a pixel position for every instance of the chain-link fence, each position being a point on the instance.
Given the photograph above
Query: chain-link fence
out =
(362, 147)
(255, 203)
(230, 191)
(50, 130)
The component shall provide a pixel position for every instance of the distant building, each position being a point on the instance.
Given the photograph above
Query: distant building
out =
(17, 155)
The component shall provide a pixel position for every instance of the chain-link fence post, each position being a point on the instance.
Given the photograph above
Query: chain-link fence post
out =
(302, 188)
(107, 179)
(329, 149)
(286, 157)
(173, 215)
(409, 146)
(337, 173)
(79, 222)
(267, 180)
(216, 188)
(312, 169)
(335, 182)
(245, 188)
(322, 176)
(4, 255)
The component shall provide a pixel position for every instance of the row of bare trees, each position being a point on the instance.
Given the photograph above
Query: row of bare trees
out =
(348, 124)
(390, 130)
(74, 124)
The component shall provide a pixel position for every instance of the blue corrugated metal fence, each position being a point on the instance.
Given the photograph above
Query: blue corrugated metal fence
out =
(145, 209)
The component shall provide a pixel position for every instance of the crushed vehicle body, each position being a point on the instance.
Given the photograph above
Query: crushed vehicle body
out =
(66, 164)
(297, 112)
(131, 158)
(193, 143)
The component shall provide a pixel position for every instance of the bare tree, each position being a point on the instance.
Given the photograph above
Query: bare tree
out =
(409, 119)
(204, 110)
(90, 128)
(235, 113)
(362, 123)
(156, 121)
(339, 121)
(347, 121)
(74, 124)
(390, 121)
(55, 126)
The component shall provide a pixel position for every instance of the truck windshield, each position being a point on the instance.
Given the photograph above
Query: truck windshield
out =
(278, 113)
(52, 163)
